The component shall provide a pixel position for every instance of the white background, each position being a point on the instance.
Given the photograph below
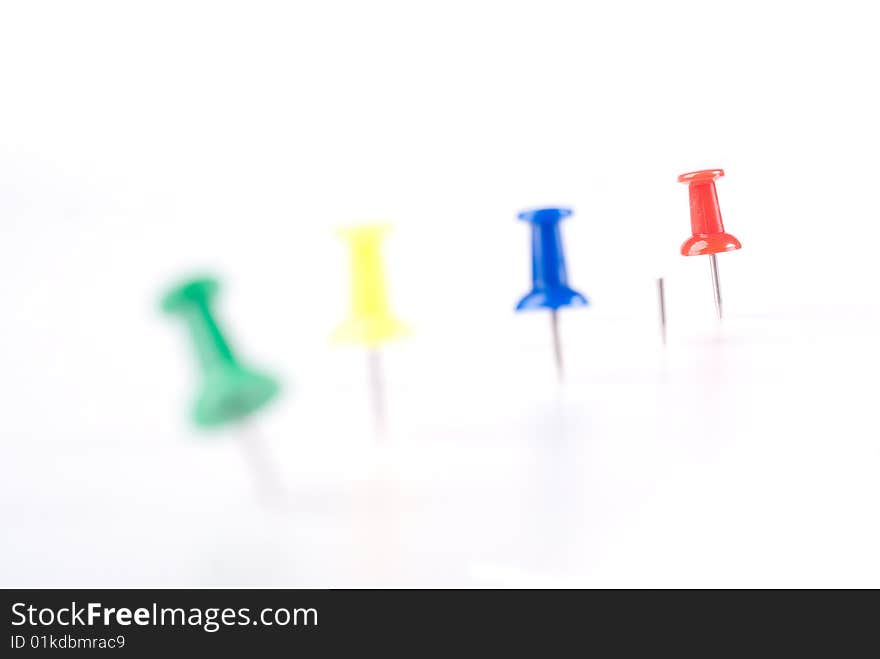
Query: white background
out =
(140, 142)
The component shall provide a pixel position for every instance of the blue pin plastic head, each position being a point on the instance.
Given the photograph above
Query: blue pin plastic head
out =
(550, 289)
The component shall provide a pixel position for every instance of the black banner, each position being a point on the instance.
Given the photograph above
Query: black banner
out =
(415, 622)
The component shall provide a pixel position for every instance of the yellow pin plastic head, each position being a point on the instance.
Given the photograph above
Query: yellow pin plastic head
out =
(370, 321)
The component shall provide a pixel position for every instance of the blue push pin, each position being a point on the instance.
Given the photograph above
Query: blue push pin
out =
(550, 289)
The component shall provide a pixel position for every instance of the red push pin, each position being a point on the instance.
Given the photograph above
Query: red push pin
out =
(708, 232)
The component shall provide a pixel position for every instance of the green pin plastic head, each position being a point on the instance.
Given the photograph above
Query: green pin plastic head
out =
(229, 391)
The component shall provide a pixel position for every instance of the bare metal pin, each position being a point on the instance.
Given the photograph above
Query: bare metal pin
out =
(661, 301)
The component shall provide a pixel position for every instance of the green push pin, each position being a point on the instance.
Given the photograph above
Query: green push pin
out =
(230, 392)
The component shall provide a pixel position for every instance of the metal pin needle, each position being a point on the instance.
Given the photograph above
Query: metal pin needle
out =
(557, 344)
(661, 299)
(713, 262)
(266, 475)
(377, 390)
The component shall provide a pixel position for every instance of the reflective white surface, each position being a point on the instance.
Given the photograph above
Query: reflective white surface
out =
(725, 461)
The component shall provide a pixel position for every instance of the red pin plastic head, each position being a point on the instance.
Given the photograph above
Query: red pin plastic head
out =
(708, 232)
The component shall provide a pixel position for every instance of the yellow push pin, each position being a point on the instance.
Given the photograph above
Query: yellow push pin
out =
(370, 322)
